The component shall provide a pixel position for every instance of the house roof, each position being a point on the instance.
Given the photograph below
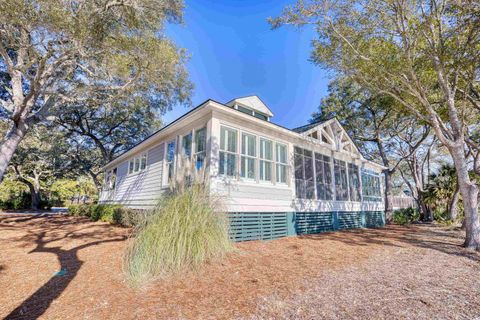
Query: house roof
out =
(252, 102)
(308, 126)
(298, 130)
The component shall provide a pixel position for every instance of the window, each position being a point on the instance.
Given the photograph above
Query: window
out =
(323, 177)
(248, 161)
(200, 147)
(245, 110)
(341, 182)
(110, 179)
(260, 116)
(138, 163)
(187, 145)
(354, 182)
(371, 186)
(304, 185)
(281, 166)
(170, 159)
(266, 158)
(228, 151)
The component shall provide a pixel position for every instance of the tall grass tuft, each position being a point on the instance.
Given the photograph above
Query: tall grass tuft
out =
(186, 229)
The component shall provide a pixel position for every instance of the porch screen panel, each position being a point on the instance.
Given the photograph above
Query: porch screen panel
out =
(354, 182)
(371, 186)
(323, 177)
(304, 174)
(341, 181)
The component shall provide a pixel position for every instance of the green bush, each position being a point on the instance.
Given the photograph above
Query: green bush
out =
(115, 214)
(405, 216)
(182, 232)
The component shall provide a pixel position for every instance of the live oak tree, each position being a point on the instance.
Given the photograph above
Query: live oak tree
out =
(59, 52)
(101, 129)
(373, 123)
(424, 54)
(41, 158)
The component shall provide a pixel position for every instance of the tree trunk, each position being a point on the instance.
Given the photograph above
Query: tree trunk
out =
(10, 143)
(424, 209)
(469, 192)
(453, 204)
(34, 192)
(388, 196)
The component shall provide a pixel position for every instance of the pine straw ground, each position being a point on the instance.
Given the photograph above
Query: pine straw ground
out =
(417, 272)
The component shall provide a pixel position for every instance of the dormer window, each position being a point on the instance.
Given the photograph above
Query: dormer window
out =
(244, 110)
(261, 116)
(251, 105)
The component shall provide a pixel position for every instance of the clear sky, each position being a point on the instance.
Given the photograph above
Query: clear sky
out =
(234, 53)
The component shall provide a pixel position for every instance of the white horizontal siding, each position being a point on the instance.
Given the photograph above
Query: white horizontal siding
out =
(139, 190)
(249, 197)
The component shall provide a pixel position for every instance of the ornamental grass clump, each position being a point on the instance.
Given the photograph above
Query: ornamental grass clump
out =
(186, 229)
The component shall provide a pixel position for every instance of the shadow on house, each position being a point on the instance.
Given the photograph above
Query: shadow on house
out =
(35, 305)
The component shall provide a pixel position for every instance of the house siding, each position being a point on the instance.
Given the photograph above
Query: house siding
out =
(139, 190)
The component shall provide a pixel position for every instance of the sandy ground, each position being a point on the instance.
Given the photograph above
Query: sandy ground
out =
(60, 267)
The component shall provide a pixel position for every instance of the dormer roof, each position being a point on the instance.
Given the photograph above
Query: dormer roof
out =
(251, 102)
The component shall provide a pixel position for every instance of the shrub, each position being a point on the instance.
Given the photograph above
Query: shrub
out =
(405, 216)
(115, 214)
(183, 231)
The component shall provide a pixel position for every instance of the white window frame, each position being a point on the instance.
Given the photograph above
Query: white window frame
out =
(263, 160)
(278, 163)
(132, 163)
(171, 162)
(228, 152)
(246, 156)
(195, 152)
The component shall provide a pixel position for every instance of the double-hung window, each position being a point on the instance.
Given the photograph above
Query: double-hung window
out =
(304, 182)
(323, 177)
(200, 147)
(110, 179)
(138, 163)
(281, 163)
(248, 160)
(228, 152)
(170, 159)
(187, 146)
(341, 181)
(354, 182)
(266, 159)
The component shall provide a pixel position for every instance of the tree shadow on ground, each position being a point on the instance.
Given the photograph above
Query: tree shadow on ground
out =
(35, 305)
(426, 236)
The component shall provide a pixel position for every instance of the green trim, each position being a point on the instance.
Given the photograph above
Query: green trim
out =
(245, 226)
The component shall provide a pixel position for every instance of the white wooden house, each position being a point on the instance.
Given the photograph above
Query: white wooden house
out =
(313, 177)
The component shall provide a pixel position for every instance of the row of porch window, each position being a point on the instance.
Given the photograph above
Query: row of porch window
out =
(313, 179)
(256, 157)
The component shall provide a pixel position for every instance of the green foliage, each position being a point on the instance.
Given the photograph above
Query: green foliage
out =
(405, 216)
(184, 230)
(62, 191)
(14, 195)
(115, 214)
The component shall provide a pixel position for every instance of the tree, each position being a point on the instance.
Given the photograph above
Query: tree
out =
(40, 158)
(55, 52)
(423, 54)
(97, 133)
(371, 121)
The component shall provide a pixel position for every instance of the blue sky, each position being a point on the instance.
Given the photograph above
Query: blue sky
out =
(234, 53)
